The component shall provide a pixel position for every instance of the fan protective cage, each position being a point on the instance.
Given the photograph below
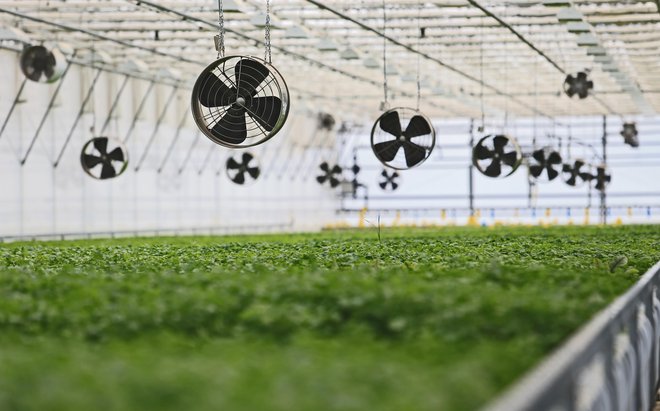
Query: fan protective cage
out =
(42, 65)
(225, 70)
(398, 160)
(488, 142)
(91, 149)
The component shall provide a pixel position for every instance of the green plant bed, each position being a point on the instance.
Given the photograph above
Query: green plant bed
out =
(424, 319)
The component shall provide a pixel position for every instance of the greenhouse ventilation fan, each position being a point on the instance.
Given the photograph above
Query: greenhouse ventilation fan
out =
(388, 182)
(578, 85)
(95, 153)
(630, 134)
(544, 164)
(602, 178)
(240, 101)
(243, 171)
(42, 65)
(496, 156)
(574, 174)
(330, 175)
(388, 137)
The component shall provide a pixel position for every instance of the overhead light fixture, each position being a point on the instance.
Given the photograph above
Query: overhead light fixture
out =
(326, 45)
(587, 40)
(371, 62)
(408, 77)
(14, 34)
(392, 71)
(596, 51)
(569, 14)
(349, 54)
(134, 65)
(609, 67)
(578, 27)
(603, 59)
(556, 3)
(295, 32)
(259, 20)
(230, 6)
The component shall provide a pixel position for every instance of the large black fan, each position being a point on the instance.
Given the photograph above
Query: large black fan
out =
(42, 65)
(388, 136)
(329, 175)
(95, 153)
(240, 101)
(496, 156)
(243, 171)
(542, 164)
(579, 85)
(602, 178)
(389, 181)
(629, 134)
(574, 174)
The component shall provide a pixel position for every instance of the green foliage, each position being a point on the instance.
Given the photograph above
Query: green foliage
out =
(425, 319)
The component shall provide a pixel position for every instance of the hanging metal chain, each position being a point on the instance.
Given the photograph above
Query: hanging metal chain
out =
(268, 56)
(220, 37)
(419, 43)
(384, 57)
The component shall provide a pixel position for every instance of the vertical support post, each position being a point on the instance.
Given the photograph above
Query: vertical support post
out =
(471, 171)
(603, 194)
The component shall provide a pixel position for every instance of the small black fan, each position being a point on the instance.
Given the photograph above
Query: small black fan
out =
(496, 156)
(95, 153)
(389, 181)
(240, 101)
(326, 121)
(330, 175)
(579, 85)
(388, 137)
(602, 178)
(42, 65)
(574, 174)
(629, 134)
(543, 164)
(243, 171)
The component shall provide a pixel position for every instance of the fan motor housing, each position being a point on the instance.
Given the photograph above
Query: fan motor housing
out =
(229, 115)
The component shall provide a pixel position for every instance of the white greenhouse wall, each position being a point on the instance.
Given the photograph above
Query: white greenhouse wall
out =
(189, 193)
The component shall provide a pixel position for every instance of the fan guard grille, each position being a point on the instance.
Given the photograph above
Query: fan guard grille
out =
(402, 138)
(240, 101)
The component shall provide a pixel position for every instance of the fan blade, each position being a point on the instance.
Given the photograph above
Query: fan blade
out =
(571, 181)
(90, 161)
(535, 170)
(384, 174)
(387, 151)
(566, 168)
(499, 142)
(232, 164)
(482, 153)
(321, 179)
(239, 178)
(415, 154)
(510, 158)
(214, 92)
(254, 172)
(334, 182)
(578, 164)
(108, 171)
(101, 144)
(494, 169)
(117, 154)
(325, 167)
(336, 170)
(390, 123)
(265, 111)
(590, 85)
(586, 176)
(247, 157)
(394, 186)
(231, 128)
(539, 156)
(582, 76)
(383, 185)
(552, 173)
(418, 126)
(583, 93)
(249, 75)
(554, 158)
(570, 91)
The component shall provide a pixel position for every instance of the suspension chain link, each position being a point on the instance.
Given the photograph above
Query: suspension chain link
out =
(268, 56)
(220, 38)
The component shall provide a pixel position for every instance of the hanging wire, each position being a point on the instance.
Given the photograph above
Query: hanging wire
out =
(384, 54)
(220, 39)
(268, 55)
(419, 43)
(481, 78)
